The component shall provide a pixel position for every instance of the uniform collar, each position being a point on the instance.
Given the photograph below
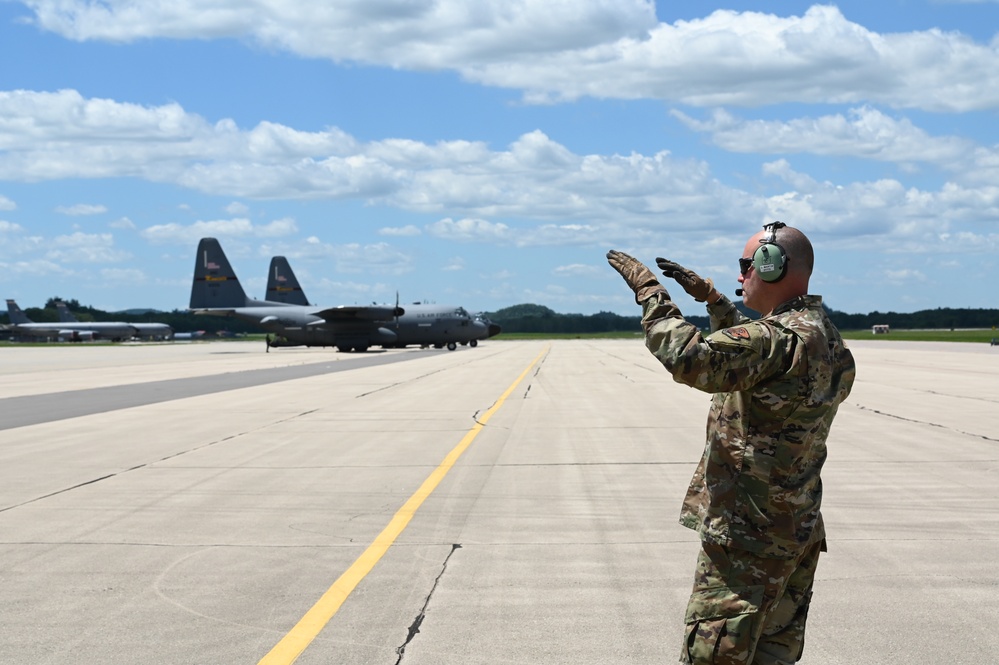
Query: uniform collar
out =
(798, 302)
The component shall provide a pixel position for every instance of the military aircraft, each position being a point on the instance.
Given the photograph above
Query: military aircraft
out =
(71, 331)
(216, 290)
(142, 330)
(420, 324)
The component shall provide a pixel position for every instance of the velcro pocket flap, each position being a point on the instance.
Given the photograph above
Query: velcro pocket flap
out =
(724, 602)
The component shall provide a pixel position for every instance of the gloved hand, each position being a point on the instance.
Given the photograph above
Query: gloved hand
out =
(695, 285)
(641, 280)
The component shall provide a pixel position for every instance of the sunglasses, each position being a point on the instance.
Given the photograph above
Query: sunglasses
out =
(745, 265)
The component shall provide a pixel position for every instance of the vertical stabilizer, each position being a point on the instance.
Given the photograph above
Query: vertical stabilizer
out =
(65, 316)
(15, 313)
(282, 285)
(215, 283)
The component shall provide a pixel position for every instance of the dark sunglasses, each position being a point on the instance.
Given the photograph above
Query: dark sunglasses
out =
(745, 265)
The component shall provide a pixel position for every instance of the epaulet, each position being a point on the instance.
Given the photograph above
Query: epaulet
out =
(753, 335)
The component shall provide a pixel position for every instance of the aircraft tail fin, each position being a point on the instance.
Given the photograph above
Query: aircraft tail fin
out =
(282, 285)
(65, 316)
(215, 283)
(15, 313)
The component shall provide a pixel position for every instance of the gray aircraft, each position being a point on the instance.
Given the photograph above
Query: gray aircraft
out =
(420, 324)
(142, 330)
(72, 331)
(216, 290)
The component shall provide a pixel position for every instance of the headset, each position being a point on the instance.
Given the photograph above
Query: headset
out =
(770, 259)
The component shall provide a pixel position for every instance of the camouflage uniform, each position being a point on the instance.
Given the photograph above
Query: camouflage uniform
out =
(754, 498)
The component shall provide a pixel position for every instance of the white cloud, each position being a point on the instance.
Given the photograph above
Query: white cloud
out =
(371, 258)
(130, 276)
(186, 234)
(400, 231)
(123, 223)
(470, 230)
(454, 264)
(236, 208)
(9, 227)
(578, 270)
(81, 210)
(570, 49)
(534, 192)
(866, 133)
(7, 204)
(85, 248)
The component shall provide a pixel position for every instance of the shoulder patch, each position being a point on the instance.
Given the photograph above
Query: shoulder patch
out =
(736, 333)
(745, 337)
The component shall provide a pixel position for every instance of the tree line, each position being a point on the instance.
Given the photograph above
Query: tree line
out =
(531, 318)
(541, 319)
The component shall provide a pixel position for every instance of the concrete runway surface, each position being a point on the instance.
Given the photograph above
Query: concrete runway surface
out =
(512, 503)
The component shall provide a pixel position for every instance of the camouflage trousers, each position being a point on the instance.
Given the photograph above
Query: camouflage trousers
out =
(747, 609)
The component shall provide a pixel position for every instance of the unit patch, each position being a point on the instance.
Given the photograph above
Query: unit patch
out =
(736, 333)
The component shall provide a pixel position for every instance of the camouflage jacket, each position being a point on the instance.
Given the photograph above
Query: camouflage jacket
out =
(777, 383)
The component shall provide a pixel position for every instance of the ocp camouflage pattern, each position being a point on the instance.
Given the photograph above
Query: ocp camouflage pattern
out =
(777, 383)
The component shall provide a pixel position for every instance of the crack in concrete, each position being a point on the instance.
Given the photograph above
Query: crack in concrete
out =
(414, 628)
(924, 422)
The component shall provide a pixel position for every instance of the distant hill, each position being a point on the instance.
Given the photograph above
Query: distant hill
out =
(538, 318)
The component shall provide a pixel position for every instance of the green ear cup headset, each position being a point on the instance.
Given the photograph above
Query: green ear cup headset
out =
(770, 259)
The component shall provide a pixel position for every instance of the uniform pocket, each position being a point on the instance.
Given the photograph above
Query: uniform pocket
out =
(720, 625)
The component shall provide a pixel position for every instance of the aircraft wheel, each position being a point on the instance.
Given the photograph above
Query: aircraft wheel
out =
(361, 349)
(438, 346)
(474, 343)
(451, 346)
(343, 348)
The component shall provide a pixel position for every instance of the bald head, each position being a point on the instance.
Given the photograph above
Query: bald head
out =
(764, 296)
(801, 258)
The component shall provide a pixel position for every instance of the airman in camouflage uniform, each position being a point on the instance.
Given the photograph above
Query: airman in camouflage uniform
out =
(755, 495)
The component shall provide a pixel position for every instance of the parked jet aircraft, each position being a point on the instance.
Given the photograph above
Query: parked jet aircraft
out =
(422, 324)
(282, 285)
(22, 325)
(142, 330)
(216, 290)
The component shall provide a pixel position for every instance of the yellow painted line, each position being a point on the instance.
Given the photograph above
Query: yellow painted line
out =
(309, 626)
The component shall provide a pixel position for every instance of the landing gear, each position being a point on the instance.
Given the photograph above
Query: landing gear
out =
(347, 348)
(451, 346)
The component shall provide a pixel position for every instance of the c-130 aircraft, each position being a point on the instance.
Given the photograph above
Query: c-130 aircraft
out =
(216, 290)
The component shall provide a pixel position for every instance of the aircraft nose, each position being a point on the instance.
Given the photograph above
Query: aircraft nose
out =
(494, 330)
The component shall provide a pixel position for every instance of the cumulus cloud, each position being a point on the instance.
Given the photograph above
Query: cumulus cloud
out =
(407, 231)
(578, 270)
(85, 248)
(569, 49)
(81, 210)
(864, 132)
(7, 204)
(534, 191)
(371, 258)
(187, 234)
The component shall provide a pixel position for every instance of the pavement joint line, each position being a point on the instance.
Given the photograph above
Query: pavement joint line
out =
(291, 646)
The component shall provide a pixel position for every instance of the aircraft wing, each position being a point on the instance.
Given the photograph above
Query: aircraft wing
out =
(346, 313)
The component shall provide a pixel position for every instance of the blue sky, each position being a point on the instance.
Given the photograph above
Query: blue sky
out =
(489, 153)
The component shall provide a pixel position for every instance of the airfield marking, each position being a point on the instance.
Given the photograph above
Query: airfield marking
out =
(309, 626)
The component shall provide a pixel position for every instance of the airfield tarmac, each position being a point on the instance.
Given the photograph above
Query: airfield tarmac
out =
(513, 503)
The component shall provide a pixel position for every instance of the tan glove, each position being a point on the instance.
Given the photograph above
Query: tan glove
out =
(695, 285)
(641, 280)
